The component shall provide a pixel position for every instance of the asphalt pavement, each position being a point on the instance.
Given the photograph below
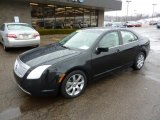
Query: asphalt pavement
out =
(123, 95)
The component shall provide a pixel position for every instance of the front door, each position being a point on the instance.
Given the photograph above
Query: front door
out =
(107, 61)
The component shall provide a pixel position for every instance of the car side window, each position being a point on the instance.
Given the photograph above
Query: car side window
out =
(109, 40)
(2, 27)
(128, 37)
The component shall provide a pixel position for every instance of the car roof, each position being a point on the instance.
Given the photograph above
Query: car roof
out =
(15, 23)
(104, 29)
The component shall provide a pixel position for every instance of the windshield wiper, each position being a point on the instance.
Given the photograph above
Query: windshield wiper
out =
(63, 46)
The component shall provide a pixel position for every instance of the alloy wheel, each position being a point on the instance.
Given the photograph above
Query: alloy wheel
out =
(140, 61)
(75, 85)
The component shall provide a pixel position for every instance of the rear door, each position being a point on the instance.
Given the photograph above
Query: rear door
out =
(130, 47)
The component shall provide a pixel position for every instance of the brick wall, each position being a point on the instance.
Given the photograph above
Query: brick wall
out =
(10, 9)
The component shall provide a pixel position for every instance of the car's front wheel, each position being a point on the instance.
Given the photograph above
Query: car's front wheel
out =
(74, 84)
(139, 62)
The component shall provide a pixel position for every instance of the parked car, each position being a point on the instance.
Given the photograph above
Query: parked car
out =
(108, 24)
(76, 25)
(79, 25)
(153, 22)
(81, 57)
(130, 24)
(138, 24)
(158, 24)
(48, 25)
(18, 35)
(58, 25)
(83, 25)
(118, 25)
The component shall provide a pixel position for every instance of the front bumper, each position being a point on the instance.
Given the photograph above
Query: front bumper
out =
(38, 87)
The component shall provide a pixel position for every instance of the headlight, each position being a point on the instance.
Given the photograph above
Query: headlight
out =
(37, 72)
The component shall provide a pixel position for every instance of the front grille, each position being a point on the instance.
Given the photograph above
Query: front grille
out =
(20, 68)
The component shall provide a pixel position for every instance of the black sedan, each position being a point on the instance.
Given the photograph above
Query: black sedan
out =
(67, 66)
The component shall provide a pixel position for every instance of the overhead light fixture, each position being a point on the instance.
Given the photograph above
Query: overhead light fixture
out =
(69, 11)
(69, 7)
(33, 4)
(81, 8)
(51, 6)
(58, 9)
(78, 11)
(60, 12)
(86, 11)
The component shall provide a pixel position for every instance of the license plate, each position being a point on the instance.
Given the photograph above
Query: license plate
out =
(25, 36)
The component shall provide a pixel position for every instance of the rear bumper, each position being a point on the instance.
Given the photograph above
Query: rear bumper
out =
(21, 43)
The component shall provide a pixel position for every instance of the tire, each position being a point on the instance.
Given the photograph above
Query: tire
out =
(139, 62)
(73, 84)
(5, 48)
(36, 46)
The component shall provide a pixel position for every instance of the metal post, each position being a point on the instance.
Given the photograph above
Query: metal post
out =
(153, 10)
(128, 1)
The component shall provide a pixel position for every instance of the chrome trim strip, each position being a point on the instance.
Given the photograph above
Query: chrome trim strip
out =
(124, 44)
(48, 90)
(23, 89)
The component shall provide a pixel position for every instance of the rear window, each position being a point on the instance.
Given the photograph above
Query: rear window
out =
(128, 37)
(19, 27)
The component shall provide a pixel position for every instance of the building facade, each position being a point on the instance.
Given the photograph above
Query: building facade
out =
(52, 14)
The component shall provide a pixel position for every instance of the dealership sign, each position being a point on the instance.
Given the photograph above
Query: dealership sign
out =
(80, 1)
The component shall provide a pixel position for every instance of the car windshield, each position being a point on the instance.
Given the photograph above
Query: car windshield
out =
(80, 39)
(19, 27)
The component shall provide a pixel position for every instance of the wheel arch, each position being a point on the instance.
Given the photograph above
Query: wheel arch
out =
(144, 51)
(81, 69)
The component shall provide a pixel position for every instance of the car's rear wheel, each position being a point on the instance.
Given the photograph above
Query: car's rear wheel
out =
(36, 46)
(139, 62)
(74, 84)
(5, 48)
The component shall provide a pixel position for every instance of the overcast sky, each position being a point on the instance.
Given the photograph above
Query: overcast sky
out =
(137, 7)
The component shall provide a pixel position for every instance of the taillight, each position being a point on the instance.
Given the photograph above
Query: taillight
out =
(36, 35)
(11, 36)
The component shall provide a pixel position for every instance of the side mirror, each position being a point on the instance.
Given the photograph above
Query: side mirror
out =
(101, 49)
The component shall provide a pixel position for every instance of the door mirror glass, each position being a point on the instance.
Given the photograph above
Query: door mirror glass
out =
(101, 49)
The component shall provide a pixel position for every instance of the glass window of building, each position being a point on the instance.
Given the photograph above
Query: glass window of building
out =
(49, 16)
(37, 15)
(94, 18)
(60, 17)
(79, 17)
(69, 17)
(87, 17)
(53, 16)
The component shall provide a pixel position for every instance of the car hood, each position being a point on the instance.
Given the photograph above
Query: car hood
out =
(52, 54)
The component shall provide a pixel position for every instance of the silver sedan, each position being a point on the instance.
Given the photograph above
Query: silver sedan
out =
(18, 35)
